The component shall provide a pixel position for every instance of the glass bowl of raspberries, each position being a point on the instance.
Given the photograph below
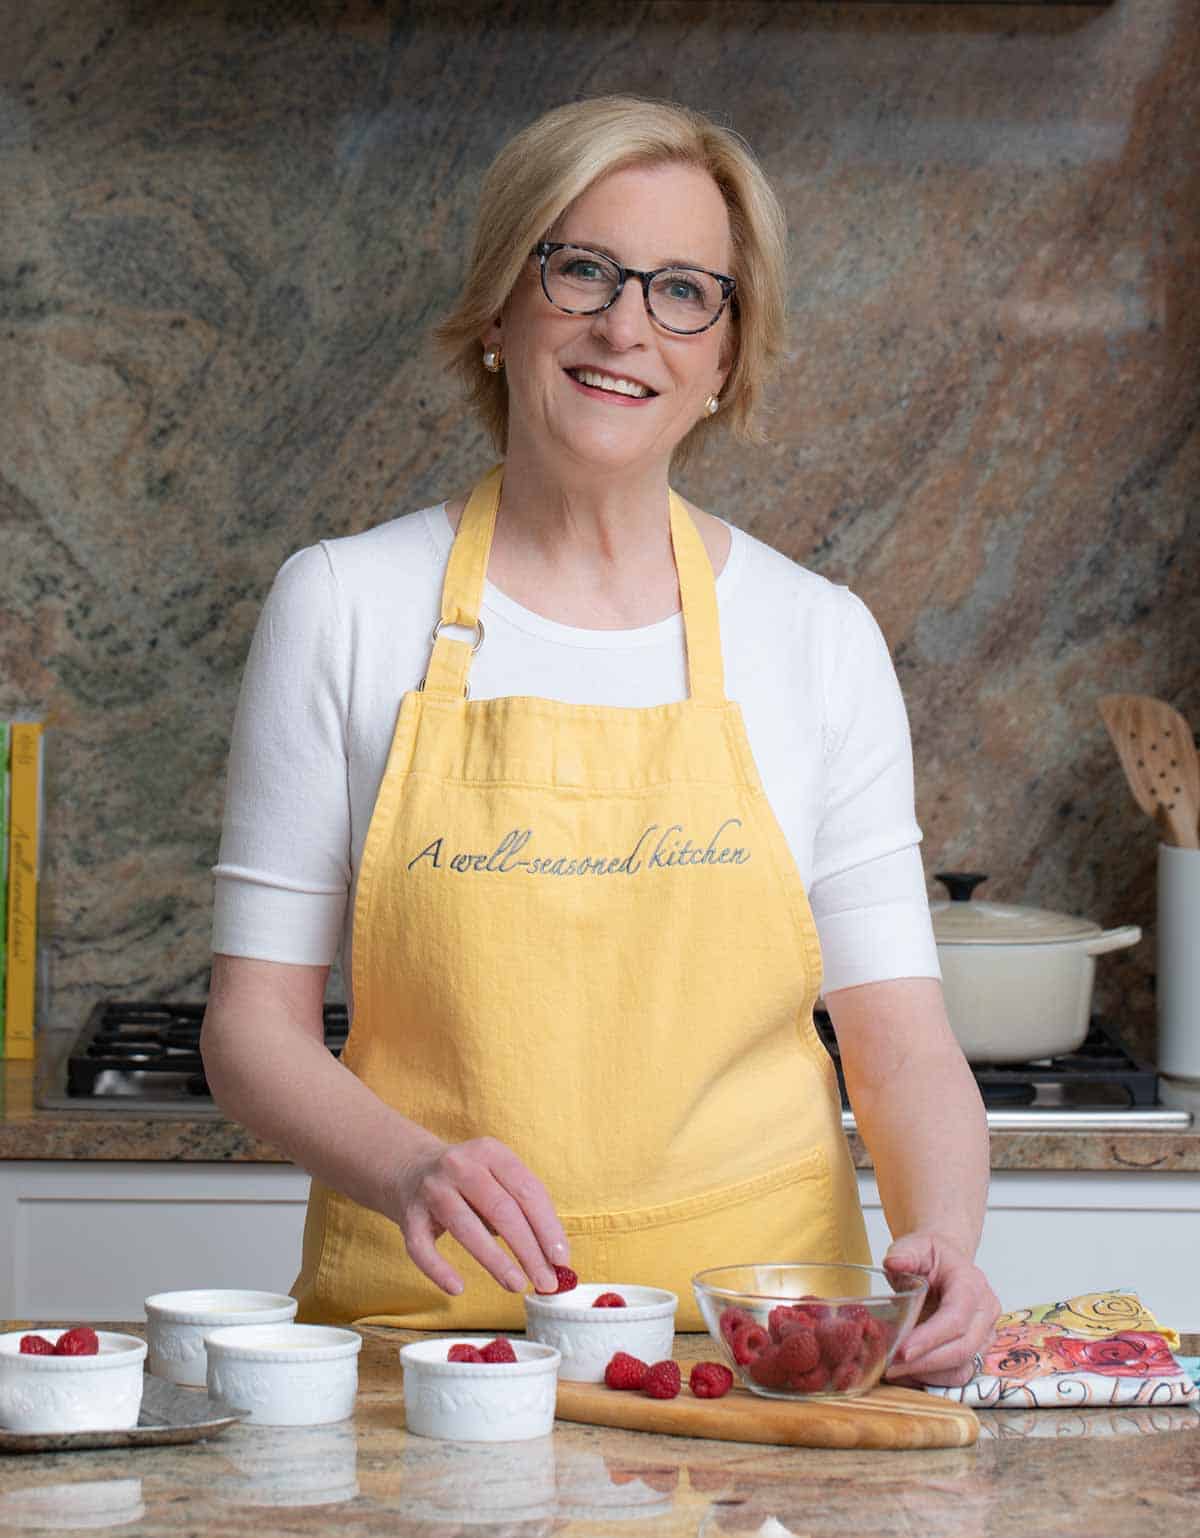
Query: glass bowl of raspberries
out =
(791, 1330)
(79, 1379)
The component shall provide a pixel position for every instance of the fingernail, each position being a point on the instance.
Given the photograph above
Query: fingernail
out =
(515, 1282)
(547, 1282)
(455, 1287)
(559, 1250)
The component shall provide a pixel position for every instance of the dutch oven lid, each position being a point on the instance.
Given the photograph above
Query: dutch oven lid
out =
(959, 921)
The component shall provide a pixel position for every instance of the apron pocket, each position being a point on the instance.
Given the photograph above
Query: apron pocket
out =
(785, 1214)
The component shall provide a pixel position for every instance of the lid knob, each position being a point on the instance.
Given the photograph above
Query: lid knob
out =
(960, 884)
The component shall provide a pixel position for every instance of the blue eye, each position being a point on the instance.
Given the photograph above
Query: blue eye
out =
(585, 271)
(679, 288)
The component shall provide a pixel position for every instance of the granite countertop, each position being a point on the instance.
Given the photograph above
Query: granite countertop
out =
(1067, 1472)
(204, 1136)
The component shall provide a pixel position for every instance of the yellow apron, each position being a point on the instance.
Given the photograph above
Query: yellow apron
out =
(579, 929)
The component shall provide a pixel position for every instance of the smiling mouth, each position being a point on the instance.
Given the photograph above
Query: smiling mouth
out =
(614, 384)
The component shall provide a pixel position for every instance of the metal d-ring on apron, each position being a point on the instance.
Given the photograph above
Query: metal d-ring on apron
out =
(579, 929)
(477, 643)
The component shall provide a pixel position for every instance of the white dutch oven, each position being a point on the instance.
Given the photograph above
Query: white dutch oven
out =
(1018, 981)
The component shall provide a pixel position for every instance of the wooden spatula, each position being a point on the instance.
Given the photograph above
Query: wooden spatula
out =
(1158, 754)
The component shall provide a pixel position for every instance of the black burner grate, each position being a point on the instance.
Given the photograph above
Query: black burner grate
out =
(1099, 1074)
(152, 1049)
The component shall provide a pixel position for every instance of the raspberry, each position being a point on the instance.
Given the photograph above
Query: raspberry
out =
(782, 1322)
(812, 1382)
(625, 1371)
(733, 1320)
(767, 1370)
(813, 1306)
(36, 1345)
(871, 1359)
(845, 1376)
(873, 1333)
(799, 1354)
(748, 1342)
(567, 1281)
(498, 1350)
(874, 1343)
(663, 1381)
(839, 1339)
(81, 1341)
(710, 1380)
(464, 1353)
(609, 1300)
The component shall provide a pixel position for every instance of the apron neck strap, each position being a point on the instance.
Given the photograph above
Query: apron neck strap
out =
(462, 590)
(698, 599)
(466, 572)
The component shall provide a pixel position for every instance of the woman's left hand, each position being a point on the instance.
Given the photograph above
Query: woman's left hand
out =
(959, 1315)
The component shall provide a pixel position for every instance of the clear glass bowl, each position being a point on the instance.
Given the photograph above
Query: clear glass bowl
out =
(843, 1323)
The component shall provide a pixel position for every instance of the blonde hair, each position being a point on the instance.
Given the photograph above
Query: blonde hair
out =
(545, 167)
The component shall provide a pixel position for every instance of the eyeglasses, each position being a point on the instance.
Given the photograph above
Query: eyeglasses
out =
(579, 281)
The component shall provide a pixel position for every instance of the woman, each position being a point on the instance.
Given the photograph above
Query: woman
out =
(581, 955)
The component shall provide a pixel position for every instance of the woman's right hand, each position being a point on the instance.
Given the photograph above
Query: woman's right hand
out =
(330, 1124)
(478, 1192)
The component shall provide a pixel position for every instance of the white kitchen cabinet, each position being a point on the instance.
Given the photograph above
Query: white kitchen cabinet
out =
(90, 1241)
(1056, 1235)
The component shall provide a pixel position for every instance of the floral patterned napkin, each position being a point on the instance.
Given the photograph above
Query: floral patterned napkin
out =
(1102, 1348)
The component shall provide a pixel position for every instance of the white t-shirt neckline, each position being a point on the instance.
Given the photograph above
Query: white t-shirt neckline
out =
(441, 533)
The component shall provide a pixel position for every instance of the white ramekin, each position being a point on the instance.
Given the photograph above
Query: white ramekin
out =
(177, 1322)
(285, 1374)
(586, 1337)
(71, 1393)
(479, 1401)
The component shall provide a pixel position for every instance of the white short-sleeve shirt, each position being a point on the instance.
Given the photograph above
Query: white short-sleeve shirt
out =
(345, 632)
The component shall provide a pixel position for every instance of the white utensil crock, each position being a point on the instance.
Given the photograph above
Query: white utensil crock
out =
(1178, 988)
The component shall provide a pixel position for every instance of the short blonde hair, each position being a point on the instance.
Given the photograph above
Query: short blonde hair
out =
(542, 170)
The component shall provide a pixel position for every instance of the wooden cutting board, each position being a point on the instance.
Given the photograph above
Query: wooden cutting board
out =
(898, 1418)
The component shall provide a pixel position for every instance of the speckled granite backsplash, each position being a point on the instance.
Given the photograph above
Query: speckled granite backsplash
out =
(225, 230)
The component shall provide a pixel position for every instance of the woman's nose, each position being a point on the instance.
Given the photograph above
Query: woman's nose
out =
(625, 322)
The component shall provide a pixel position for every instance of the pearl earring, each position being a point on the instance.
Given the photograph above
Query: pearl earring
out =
(493, 359)
(712, 405)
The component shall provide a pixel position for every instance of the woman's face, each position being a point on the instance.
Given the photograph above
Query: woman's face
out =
(644, 217)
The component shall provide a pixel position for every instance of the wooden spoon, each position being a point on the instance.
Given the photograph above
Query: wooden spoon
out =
(1158, 754)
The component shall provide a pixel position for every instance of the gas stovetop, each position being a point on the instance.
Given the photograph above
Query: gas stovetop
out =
(145, 1057)
(1097, 1086)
